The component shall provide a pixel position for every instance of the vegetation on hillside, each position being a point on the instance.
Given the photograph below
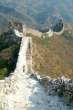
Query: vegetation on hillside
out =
(9, 48)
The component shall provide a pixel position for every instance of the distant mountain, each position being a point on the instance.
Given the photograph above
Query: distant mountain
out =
(35, 13)
(4, 25)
